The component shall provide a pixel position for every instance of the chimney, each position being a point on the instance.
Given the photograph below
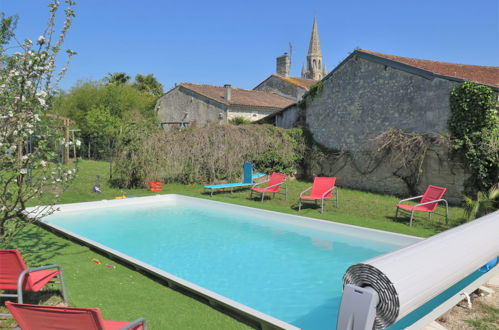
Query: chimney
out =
(227, 92)
(283, 64)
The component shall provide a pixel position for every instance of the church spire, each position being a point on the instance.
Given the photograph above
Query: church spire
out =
(314, 48)
(314, 57)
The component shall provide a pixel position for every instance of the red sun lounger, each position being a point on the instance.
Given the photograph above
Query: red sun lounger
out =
(322, 189)
(38, 317)
(428, 203)
(273, 185)
(15, 276)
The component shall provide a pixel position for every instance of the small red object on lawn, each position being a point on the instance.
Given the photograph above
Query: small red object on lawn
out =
(155, 186)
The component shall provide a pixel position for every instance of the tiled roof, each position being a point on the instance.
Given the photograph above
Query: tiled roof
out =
(300, 82)
(487, 75)
(240, 96)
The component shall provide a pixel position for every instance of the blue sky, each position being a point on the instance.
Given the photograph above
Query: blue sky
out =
(236, 42)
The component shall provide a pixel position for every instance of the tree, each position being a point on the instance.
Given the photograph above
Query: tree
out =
(148, 84)
(117, 78)
(28, 160)
(81, 102)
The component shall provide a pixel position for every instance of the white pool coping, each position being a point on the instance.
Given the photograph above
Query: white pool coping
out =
(266, 321)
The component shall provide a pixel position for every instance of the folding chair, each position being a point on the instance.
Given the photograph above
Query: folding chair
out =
(428, 203)
(322, 189)
(15, 276)
(273, 185)
(38, 317)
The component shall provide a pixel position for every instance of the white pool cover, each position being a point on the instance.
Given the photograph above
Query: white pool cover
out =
(409, 277)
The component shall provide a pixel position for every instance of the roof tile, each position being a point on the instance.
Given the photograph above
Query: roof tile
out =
(300, 82)
(487, 75)
(240, 96)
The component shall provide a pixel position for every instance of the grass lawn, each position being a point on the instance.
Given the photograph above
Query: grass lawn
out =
(125, 294)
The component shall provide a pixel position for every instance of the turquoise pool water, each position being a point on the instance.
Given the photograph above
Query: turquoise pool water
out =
(285, 270)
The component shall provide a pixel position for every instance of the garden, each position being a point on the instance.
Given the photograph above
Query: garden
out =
(117, 147)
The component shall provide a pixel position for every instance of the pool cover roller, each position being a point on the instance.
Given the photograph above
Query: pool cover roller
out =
(409, 277)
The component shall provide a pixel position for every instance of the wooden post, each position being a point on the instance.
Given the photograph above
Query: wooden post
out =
(74, 144)
(66, 142)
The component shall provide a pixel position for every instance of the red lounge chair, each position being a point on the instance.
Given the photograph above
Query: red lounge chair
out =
(15, 276)
(38, 317)
(322, 189)
(273, 185)
(429, 202)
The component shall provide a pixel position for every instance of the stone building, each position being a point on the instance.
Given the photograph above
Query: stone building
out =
(188, 104)
(285, 85)
(369, 93)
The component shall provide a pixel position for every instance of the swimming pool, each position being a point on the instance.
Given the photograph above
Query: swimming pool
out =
(282, 269)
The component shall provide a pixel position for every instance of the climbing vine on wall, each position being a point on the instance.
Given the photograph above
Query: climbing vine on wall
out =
(474, 125)
(407, 152)
(313, 91)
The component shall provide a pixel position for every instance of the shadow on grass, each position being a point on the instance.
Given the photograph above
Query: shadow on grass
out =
(436, 224)
(35, 247)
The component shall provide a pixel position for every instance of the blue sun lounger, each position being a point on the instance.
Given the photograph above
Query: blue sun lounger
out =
(248, 178)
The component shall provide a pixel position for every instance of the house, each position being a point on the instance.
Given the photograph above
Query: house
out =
(284, 85)
(369, 93)
(188, 104)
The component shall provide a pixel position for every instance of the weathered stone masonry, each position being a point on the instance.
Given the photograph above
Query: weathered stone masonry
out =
(181, 104)
(366, 96)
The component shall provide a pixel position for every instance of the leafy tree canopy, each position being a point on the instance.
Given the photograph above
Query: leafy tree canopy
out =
(148, 84)
(117, 78)
(92, 104)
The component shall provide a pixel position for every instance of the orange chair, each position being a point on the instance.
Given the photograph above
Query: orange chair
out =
(273, 185)
(38, 317)
(15, 276)
(322, 189)
(429, 202)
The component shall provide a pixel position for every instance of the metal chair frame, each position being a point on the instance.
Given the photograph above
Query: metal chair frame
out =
(274, 185)
(20, 281)
(446, 215)
(131, 325)
(336, 193)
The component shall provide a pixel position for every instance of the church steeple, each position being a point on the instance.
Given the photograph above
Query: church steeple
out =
(314, 48)
(314, 57)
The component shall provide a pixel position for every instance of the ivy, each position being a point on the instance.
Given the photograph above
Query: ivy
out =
(474, 125)
(315, 89)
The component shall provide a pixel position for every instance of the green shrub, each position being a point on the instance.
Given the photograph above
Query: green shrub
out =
(474, 125)
(240, 121)
(205, 154)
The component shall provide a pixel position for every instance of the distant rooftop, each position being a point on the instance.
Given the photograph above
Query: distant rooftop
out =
(486, 75)
(300, 82)
(240, 96)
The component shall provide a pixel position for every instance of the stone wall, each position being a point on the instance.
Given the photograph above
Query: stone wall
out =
(288, 117)
(249, 113)
(281, 87)
(362, 99)
(180, 104)
(364, 171)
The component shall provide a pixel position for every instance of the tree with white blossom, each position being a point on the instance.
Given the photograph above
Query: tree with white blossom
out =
(29, 139)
